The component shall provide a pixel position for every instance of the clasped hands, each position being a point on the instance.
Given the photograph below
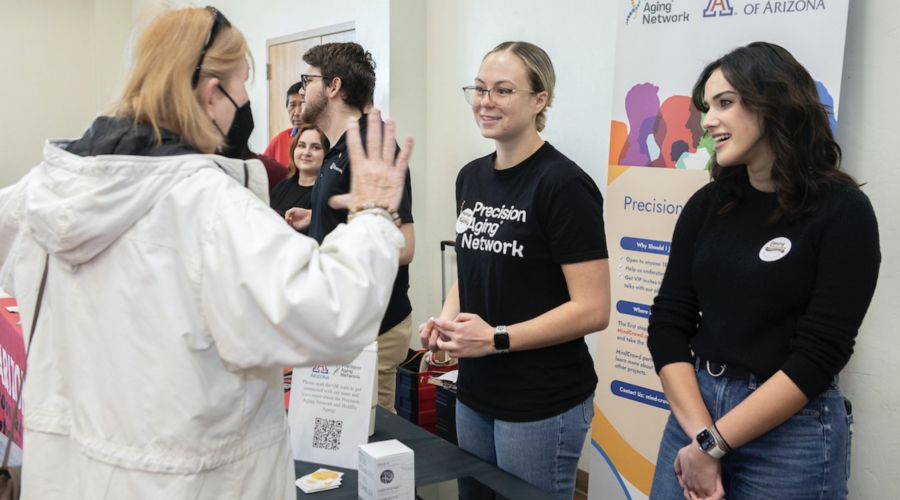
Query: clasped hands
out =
(699, 474)
(467, 336)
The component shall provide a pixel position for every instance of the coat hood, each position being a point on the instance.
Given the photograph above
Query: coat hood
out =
(78, 204)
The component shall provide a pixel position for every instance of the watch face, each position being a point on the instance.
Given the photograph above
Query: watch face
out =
(706, 440)
(501, 341)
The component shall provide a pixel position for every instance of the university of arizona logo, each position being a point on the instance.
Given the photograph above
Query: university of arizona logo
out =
(634, 8)
(320, 369)
(718, 8)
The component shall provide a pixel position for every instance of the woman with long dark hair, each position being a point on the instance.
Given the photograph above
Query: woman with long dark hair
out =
(772, 269)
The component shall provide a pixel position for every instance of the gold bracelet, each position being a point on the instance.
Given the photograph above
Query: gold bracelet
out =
(371, 204)
(390, 215)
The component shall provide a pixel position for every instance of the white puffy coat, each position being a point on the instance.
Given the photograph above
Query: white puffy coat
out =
(174, 298)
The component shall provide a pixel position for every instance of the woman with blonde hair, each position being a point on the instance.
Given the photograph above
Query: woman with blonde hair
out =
(533, 281)
(173, 294)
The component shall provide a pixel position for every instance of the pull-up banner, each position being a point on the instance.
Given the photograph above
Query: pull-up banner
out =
(658, 157)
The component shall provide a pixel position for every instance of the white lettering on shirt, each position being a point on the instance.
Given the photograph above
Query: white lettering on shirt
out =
(473, 242)
(481, 224)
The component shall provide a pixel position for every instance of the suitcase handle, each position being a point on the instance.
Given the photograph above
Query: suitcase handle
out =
(444, 244)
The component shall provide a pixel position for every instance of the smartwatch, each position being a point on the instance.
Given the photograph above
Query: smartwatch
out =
(501, 340)
(712, 443)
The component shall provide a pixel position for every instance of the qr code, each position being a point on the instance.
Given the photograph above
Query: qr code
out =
(328, 434)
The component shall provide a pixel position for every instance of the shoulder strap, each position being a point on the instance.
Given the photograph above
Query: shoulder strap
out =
(37, 313)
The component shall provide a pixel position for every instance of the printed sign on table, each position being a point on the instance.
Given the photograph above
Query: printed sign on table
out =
(330, 409)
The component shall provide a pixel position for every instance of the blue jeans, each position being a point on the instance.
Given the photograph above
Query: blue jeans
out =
(544, 453)
(806, 457)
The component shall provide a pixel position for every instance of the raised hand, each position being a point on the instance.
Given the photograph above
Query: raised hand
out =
(378, 173)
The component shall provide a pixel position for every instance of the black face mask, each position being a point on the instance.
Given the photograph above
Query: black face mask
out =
(241, 128)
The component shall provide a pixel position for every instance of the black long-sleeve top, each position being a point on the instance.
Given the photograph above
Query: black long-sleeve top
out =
(784, 296)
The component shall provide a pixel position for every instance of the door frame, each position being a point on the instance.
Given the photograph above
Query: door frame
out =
(303, 35)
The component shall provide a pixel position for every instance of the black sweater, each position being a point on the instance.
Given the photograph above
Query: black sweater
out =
(740, 290)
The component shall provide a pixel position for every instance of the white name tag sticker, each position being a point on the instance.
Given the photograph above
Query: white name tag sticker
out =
(775, 249)
(465, 220)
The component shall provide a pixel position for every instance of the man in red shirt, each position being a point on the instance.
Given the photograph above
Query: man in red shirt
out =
(279, 148)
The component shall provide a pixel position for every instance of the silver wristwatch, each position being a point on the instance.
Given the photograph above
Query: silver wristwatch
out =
(712, 443)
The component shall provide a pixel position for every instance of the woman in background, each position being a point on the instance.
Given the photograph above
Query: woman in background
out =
(308, 148)
(772, 269)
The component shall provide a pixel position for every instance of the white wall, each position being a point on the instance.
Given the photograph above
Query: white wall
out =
(408, 91)
(57, 71)
(867, 131)
(62, 61)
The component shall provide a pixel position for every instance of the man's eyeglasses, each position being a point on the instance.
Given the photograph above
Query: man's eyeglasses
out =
(499, 96)
(304, 79)
(218, 23)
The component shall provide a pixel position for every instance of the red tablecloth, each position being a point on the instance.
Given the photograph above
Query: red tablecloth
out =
(12, 364)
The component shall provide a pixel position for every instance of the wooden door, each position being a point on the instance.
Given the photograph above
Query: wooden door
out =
(285, 65)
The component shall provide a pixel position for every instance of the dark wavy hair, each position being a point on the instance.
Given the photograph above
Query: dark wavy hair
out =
(352, 64)
(794, 122)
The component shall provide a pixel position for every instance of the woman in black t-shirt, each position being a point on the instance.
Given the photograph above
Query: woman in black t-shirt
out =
(308, 148)
(772, 268)
(533, 281)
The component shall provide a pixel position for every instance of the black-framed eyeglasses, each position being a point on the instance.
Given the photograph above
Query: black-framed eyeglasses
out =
(304, 79)
(499, 96)
(219, 22)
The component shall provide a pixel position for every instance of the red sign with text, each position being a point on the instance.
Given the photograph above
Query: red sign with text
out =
(12, 366)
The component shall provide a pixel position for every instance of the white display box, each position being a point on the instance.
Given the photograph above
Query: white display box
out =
(387, 471)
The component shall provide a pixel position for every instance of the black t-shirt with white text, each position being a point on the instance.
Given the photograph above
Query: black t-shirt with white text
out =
(334, 179)
(515, 229)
